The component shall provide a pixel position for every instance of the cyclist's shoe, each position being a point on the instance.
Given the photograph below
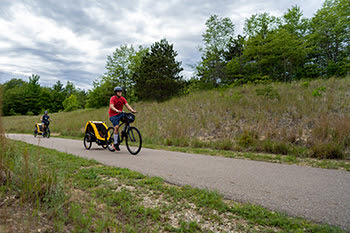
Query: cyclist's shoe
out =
(116, 147)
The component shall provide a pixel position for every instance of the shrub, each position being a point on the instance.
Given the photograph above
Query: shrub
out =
(267, 92)
(331, 150)
(276, 147)
(247, 138)
(305, 84)
(319, 91)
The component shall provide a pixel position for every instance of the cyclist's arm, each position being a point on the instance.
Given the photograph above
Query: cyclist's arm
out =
(130, 108)
(111, 106)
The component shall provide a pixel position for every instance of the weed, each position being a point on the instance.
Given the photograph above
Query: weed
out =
(268, 92)
(247, 138)
(318, 91)
(274, 118)
(305, 84)
(111, 199)
(331, 150)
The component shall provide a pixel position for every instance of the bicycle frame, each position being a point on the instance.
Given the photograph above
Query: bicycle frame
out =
(131, 135)
(123, 132)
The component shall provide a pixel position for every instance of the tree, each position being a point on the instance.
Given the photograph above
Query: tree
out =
(276, 48)
(235, 60)
(58, 86)
(121, 67)
(101, 93)
(330, 36)
(71, 103)
(13, 83)
(58, 96)
(13, 101)
(13, 97)
(260, 25)
(219, 32)
(69, 89)
(294, 23)
(158, 77)
(45, 100)
(118, 67)
(32, 95)
(286, 53)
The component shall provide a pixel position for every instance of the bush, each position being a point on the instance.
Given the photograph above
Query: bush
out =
(319, 91)
(331, 150)
(247, 138)
(268, 92)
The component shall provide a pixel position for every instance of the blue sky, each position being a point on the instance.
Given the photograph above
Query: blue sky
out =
(69, 40)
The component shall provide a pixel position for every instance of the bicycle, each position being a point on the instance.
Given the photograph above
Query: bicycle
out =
(131, 134)
(38, 130)
(46, 132)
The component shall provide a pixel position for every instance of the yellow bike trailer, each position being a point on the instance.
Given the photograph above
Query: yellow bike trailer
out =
(38, 130)
(96, 131)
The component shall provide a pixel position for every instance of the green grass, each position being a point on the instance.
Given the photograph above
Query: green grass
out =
(73, 194)
(238, 118)
(279, 120)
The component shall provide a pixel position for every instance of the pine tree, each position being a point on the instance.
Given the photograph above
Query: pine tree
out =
(158, 76)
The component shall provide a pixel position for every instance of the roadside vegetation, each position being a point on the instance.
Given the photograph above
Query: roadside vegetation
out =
(48, 191)
(304, 122)
(270, 49)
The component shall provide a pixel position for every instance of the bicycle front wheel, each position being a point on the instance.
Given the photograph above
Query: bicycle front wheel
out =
(133, 140)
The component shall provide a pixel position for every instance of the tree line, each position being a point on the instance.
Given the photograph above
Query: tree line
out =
(284, 48)
(272, 48)
(29, 98)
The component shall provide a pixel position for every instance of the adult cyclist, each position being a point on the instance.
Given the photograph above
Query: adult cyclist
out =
(115, 112)
(45, 120)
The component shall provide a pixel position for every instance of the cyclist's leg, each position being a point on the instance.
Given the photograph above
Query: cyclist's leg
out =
(42, 127)
(116, 128)
(115, 122)
(116, 134)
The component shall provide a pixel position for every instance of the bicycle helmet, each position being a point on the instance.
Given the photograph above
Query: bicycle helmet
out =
(118, 89)
(45, 112)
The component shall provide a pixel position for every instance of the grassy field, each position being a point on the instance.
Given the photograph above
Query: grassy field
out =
(48, 191)
(304, 119)
(305, 123)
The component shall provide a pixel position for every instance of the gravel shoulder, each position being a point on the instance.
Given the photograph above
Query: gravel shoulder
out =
(320, 195)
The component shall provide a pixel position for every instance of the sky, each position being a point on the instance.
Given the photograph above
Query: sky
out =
(69, 40)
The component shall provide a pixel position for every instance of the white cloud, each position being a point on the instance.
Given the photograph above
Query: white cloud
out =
(71, 39)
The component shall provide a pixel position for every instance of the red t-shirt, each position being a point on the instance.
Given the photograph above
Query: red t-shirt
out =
(118, 103)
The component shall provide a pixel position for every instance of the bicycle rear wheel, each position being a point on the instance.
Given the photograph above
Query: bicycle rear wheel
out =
(133, 140)
(109, 138)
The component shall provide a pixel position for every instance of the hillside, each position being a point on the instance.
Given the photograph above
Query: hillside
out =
(304, 118)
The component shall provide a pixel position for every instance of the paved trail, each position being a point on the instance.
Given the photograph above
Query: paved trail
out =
(316, 194)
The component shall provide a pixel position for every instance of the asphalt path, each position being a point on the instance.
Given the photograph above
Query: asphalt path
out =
(320, 195)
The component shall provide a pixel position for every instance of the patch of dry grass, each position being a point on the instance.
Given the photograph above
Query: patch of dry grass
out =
(295, 118)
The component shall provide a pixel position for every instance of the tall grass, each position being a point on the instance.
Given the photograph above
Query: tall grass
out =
(304, 118)
(65, 193)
